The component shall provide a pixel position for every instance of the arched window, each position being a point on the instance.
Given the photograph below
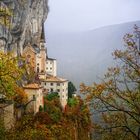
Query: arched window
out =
(37, 69)
(28, 58)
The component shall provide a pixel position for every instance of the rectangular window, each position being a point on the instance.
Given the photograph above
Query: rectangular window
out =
(50, 68)
(58, 90)
(51, 84)
(45, 84)
(58, 84)
(51, 89)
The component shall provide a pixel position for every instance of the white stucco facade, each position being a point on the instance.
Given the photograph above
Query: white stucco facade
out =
(51, 67)
(38, 62)
(41, 59)
(59, 85)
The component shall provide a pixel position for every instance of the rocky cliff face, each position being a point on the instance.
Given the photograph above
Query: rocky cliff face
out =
(25, 26)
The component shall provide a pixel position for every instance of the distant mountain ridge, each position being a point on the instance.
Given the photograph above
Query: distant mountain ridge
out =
(85, 56)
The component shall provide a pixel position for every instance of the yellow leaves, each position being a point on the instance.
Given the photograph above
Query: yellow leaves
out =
(129, 57)
(111, 73)
(131, 44)
(10, 73)
(84, 89)
(95, 87)
(9, 66)
(4, 11)
(20, 97)
(106, 117)
(100, 87)
(5, 22)
(92, 91)
(89, 97)
(117, 98)
(117, 53)
(110, 82)
(5, 16)
(114, 70)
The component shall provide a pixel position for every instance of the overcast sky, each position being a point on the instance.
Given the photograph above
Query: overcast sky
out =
(67, 32)
(81, 15)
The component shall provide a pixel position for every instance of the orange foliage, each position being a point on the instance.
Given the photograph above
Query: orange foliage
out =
(20, 96)
(117, 97)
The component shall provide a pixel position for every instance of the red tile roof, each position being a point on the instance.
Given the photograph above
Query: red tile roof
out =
(32, 86)
(50, 78)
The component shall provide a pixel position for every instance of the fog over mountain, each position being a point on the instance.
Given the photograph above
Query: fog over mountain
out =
(85, 56)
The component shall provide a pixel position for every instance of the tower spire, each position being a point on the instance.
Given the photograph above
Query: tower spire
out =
(42, 38)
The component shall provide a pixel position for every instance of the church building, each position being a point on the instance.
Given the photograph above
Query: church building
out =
(46, 68)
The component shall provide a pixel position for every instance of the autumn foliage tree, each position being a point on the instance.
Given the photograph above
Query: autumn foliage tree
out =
(78, 114)
(10, 74)
(5, 15)
(53, 123)
(20, 96)
(117, 97)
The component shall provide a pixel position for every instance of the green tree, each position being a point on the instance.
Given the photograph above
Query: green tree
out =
(71, 89)
(53, 106)
(72, 102)
(52, 96)
(40, 108)
(117, 97)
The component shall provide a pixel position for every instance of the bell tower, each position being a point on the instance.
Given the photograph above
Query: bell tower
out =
(43, 51)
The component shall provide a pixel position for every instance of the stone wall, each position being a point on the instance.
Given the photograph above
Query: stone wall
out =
(7, 114)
